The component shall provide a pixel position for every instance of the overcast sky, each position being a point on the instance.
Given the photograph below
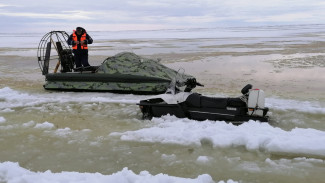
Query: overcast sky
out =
(96, 15)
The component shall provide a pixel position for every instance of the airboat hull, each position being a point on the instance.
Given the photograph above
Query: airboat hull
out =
(115, 83)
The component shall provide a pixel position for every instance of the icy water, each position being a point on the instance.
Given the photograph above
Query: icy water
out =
(90, 132)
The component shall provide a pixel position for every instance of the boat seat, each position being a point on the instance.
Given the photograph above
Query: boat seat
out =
(89, 68)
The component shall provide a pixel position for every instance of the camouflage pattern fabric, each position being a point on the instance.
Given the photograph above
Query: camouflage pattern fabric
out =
(130, 63)
(135, 88)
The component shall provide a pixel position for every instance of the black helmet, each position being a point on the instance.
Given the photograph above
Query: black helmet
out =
(80, 29)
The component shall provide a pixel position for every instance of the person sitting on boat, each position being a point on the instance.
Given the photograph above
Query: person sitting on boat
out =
(79, 40)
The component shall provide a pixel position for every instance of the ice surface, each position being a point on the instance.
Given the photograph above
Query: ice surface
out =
(11, 172)
(168, 129)
(11, 98)
(254, 136)
(301, 106)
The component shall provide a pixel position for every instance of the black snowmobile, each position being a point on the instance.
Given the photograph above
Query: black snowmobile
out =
(186, 104)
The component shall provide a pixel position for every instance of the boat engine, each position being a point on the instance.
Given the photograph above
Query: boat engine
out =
(56, 41)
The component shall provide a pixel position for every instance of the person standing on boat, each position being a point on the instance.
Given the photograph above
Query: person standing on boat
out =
(79, 40)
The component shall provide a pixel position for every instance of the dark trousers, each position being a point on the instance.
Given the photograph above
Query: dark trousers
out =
(81, 59)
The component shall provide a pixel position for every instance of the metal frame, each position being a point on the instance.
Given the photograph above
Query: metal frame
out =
(53, 36)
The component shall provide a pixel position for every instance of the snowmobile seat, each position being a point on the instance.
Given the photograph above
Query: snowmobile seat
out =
(197, 100)
(193, 100)
(236, 102)
(214, 102)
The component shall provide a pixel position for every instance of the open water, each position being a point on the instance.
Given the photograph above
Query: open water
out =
(91, 132)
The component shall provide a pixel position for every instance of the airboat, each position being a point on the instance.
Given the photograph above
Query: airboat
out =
(124, 72)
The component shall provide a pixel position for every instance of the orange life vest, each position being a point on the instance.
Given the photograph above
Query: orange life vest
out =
(75, 39)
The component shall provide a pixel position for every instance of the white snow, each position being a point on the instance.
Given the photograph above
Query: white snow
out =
(45, 125)
(254, 136)
(2, 120)
(203, 159)
(28, 124)
(12, 173)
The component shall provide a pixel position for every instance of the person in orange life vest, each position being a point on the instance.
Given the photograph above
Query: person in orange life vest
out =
(79, 40)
